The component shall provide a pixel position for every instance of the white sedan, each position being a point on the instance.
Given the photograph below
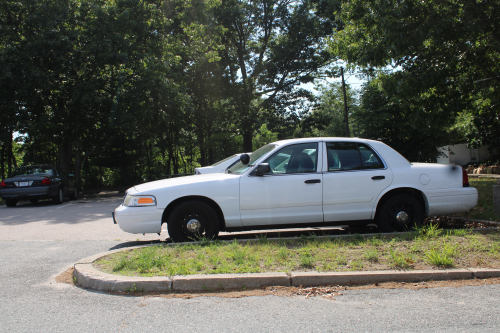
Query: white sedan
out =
(220, 166)
(300, 183)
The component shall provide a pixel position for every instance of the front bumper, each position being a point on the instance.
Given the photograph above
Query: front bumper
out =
(138, 220)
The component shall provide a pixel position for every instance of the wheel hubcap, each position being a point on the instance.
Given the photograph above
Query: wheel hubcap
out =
(193, 226)
(402, 217)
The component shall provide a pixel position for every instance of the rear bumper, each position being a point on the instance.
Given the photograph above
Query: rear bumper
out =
(26, 193)
(450, 201)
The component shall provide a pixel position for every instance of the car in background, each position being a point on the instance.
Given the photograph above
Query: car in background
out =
(220, 166)
(296, 183)
(37, 182)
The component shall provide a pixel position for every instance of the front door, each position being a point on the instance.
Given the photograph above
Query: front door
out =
(290, 193)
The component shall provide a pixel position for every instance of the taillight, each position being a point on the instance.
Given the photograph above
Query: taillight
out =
(46, 181)
(2, 184)
(465, 178)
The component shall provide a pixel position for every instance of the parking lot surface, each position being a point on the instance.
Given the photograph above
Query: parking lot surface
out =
(39, 242)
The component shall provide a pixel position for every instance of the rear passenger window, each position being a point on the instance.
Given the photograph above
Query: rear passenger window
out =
(351, 156)
(369, 158)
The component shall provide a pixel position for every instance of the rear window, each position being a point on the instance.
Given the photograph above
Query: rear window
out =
(32, 171)
(344, 156)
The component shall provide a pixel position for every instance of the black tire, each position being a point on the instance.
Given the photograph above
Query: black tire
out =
(184, 219)
(400, 213)
(58, 199)
(74, 194)
(10, 202)
(34, 201)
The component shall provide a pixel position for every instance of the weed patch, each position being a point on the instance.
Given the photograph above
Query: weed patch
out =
(423, 249)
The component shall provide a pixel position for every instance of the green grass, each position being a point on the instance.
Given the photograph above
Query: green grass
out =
(484, 209)
(425, 248)
(441, 257)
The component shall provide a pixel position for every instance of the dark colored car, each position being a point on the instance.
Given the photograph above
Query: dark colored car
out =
(36, 182)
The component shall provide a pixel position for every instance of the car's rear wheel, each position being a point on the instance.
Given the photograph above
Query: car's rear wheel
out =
(192, 220)
(74, 194)
(58, 199)
(34, 201)
(400, 213)
(10, 202)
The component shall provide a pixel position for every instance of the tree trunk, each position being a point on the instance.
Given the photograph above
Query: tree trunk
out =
(211, 156)
(64, 157)
(9, 153)
(247, 141)
(176, 164)
(2, 161)
(170, 157)
(78, 165)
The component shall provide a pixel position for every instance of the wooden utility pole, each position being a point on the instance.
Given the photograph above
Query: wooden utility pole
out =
(346, 117)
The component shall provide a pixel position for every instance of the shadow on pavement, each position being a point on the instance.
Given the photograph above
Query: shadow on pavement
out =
(275, 233)
(324, 231)
(134, 243)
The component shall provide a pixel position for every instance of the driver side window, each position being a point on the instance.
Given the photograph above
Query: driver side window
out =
(301, 158)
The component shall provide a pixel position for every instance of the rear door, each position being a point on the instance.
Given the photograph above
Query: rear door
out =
(354, 177)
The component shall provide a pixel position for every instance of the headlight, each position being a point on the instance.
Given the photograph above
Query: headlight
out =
(139, 200)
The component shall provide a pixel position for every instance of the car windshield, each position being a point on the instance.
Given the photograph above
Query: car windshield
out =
(32, 171)
(240, 168)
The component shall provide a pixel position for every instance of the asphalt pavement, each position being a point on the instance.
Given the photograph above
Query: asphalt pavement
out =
(38, 242)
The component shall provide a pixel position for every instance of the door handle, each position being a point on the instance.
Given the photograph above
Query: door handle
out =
(312, 181)
(378, 177)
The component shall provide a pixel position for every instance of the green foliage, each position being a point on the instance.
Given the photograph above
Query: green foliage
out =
(429, 231)
(442, 257)
(485, 209)
(269, 49)
(401, 259)
(413, 123)
(328, 119)
(122, 92)
(448, 54)
(321, 254)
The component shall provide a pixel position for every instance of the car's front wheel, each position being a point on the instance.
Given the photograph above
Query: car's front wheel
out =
(400, 213)
(10, 202)
(192, 220)
(58, 199)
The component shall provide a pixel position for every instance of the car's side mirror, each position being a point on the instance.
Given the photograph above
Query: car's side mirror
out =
(244, 159)
(262, 169)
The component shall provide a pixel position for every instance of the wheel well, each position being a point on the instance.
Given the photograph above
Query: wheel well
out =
(213, 204)
(398, 191)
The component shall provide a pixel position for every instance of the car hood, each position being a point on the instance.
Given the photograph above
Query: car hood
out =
(219, 169)
(180, 181)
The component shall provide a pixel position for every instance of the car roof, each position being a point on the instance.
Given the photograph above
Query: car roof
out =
(320, 139)
(37, 166)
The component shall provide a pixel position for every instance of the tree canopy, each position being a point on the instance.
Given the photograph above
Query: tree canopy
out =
(449, 52)
(126, 91)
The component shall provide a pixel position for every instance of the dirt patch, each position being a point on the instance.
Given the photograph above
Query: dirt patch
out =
(66, 277)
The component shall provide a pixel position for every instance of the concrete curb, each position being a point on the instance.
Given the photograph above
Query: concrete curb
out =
(88, 277)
